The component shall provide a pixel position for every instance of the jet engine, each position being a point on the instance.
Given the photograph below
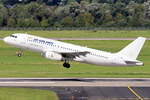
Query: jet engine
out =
(52, 56)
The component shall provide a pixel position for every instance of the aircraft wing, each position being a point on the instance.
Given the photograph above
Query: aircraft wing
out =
(73, 54)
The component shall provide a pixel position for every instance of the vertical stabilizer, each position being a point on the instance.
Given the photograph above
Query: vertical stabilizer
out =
(133, 49)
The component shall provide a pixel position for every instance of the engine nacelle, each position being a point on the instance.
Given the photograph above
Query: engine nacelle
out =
(52, 56)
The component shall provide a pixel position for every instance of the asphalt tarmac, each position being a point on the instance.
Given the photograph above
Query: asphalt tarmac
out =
(98, 93)
(74, 89)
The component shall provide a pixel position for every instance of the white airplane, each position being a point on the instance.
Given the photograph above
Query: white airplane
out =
(56, 50)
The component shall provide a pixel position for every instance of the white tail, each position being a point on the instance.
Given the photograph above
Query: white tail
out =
(133, 49)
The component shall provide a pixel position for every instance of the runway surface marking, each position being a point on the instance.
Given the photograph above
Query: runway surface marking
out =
(72, 97)
(134, 92)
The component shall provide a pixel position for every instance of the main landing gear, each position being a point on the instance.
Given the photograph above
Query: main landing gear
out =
(19, 54)
(66, 64)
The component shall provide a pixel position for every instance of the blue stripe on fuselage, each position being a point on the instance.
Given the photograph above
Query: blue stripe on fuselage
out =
(42, 41)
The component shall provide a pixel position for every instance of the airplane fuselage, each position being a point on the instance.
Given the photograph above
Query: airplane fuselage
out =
(42, 45)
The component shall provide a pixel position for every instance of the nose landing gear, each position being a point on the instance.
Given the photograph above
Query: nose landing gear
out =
(19, 54)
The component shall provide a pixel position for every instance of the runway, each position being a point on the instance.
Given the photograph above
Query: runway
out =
(104, 82)
(98, 93)
(86, 88)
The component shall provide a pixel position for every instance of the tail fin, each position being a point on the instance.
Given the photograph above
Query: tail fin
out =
(133, 49)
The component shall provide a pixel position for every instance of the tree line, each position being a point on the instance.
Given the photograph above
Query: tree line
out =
(74, 13)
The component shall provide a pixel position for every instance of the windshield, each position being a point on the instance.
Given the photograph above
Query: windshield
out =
(13, 36)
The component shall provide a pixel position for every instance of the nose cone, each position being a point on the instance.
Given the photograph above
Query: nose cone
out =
(5, 39)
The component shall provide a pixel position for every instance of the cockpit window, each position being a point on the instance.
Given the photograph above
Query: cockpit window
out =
(13, 36)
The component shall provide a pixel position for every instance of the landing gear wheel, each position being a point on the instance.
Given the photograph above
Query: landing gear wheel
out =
(19, 54)
(66, 65)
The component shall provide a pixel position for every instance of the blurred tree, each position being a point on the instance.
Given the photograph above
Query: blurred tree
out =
(118, 7)
(84, 7)
(74, 9)
(9, 2)
(28, 22)
(120, 20)
(1, 2)
(44, 22)
(61, 12)
(147, 9)
(40, 1)
(33, 9)
(21, 22)
(11, 22)
(84, 20)
(67, 22)
(1, 22)
(3, 15)
(57, 24)
(70, 1)
(18, 11)
(108, 17)
(86, 1)
(51, 21)
(35, 23)
(35, 13)
(137, 19)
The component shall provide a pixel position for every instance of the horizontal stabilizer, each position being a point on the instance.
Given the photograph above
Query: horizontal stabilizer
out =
(132, 61)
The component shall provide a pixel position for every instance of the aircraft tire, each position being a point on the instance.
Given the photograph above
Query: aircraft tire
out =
(66, 65)
(19, 54)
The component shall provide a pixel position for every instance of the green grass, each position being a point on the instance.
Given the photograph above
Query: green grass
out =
(33, 65)
(83, 34)
(26, 94)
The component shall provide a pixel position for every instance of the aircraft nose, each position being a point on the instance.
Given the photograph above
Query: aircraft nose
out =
(5, 39)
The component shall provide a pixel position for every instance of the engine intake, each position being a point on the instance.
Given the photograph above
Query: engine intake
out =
(52, 56)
